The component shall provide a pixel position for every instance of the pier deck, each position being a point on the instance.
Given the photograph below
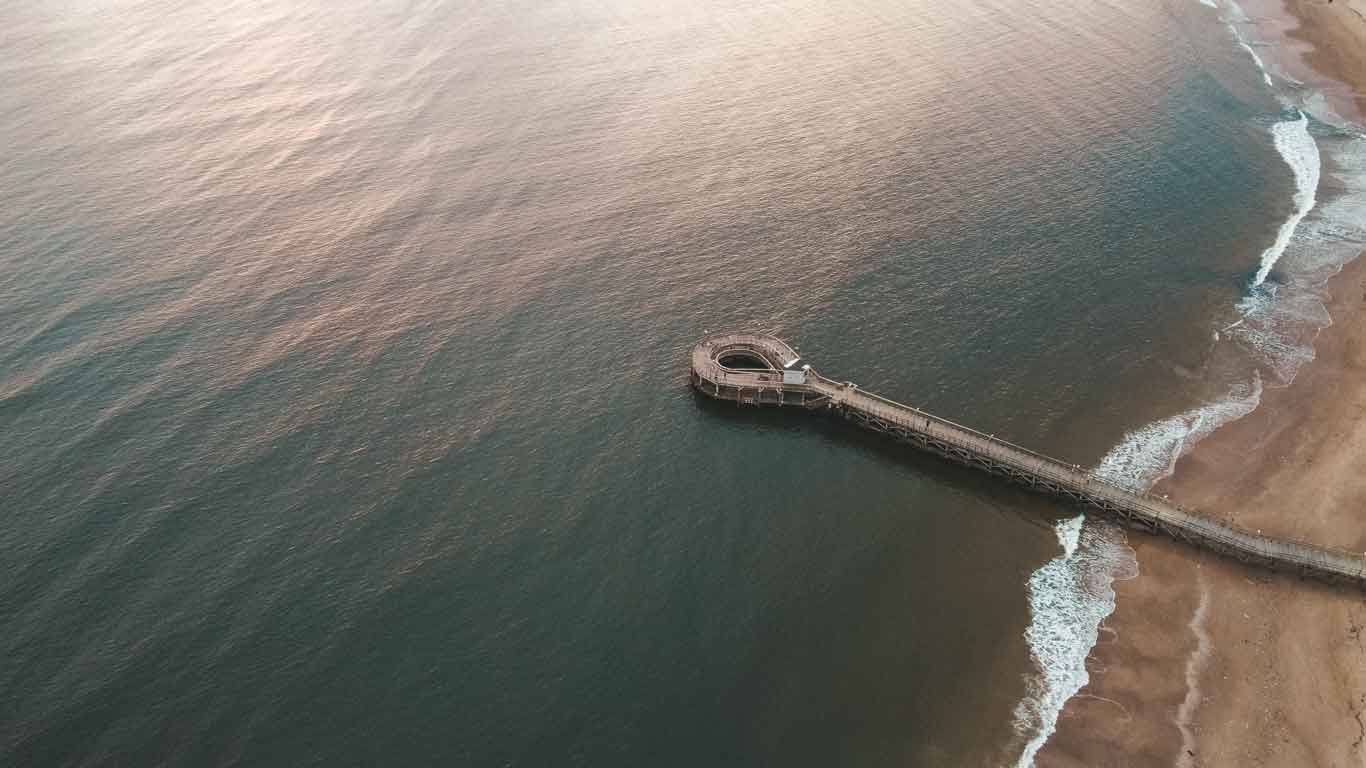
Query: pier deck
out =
(763, 370)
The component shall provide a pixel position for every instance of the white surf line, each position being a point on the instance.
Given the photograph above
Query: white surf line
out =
(1150, 452)
(1237, 17)
(1195, 666)
(1069, 597)
(1053, 641)
(1261, 65)
(1065, 615)
(1299, 150)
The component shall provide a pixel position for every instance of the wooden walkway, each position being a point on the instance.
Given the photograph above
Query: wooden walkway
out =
(763, 370)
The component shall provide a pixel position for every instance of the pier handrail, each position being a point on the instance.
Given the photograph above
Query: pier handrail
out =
(1150, 503)
(954, 425)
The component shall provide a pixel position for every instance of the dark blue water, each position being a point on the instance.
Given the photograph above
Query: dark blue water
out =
(343, 367)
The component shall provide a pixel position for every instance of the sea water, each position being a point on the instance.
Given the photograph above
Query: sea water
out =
(343, 365)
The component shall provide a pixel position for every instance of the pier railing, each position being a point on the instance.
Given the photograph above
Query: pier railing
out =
(906, 415)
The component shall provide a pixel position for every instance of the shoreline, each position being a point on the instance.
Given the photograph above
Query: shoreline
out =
(1272, 671)
(1209, 663)
(1331, 37)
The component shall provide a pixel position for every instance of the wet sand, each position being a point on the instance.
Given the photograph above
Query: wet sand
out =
(1334, 36)
(1271, 671)
(1208, 663)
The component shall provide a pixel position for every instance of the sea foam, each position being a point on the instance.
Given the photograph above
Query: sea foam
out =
(1275, 323)
(1236, 17)
(1072, 594)
(1149, 453)
(1261, 65)
(1069, 597)
(1299, 150)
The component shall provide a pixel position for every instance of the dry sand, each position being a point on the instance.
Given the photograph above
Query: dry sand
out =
(1207, 663)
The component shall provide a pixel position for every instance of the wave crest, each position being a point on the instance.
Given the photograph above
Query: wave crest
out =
(1301, 153)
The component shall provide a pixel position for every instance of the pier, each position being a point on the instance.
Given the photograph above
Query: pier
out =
(755, 369)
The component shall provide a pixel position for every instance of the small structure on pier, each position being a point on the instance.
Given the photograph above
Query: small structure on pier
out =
(756, 369)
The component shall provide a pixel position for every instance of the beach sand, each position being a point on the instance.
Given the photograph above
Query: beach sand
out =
(1271, 671)
(1334, 37)
(1208, 663)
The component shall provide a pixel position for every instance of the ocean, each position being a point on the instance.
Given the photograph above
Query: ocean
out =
(343, 364)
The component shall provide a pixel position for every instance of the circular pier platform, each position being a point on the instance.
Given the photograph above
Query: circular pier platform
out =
(752, 369)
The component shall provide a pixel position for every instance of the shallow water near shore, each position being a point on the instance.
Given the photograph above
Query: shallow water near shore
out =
(343, 354)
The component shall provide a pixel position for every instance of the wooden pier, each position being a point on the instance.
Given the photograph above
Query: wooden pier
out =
(754, 369)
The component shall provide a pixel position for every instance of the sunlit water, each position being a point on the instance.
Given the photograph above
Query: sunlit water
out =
(343, 347)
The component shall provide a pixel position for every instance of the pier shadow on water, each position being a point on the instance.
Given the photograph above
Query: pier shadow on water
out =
(1000, 496)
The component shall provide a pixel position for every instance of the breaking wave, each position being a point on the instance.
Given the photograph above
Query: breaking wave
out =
(1069, 597)
(1149, 453)
(1073, 593)
(1266, 341)
(1299, 150)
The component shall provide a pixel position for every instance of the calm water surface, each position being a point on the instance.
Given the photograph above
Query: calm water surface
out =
(343, 344)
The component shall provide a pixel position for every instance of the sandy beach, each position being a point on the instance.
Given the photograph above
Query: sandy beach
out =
(1334, 33)
(1207, 663)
